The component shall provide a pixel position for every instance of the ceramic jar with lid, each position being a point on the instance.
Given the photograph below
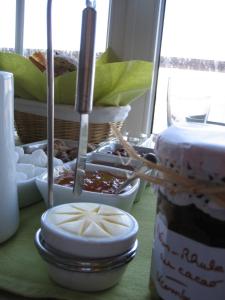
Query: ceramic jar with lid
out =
(9, 210)
(87, 246)
(188, 257)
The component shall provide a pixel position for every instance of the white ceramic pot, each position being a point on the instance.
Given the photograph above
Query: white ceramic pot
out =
(87, 246)
(9, 212)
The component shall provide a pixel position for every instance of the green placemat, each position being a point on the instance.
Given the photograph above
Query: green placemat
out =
(23, 272)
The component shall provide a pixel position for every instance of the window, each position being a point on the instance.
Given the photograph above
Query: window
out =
(7, 25)
(131, 34)
(193, 50)
(66, 17)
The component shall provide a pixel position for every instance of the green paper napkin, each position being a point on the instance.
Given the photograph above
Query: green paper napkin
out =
(29, 81)
(116, 83)
(109, 56)
(23, 272)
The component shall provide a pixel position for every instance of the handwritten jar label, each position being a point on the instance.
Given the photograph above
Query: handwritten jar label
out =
(184, 269)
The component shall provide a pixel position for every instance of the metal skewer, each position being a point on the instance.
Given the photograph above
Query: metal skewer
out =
(50, 103)
(85, 87)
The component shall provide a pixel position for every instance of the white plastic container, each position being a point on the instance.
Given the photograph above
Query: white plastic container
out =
(87, 246)
(9, 211)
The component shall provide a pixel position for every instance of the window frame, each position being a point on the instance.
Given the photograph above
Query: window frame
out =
(19, 30)
(127, 22)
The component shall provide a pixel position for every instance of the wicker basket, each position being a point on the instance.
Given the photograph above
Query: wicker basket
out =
(31, 128)
(31, 124)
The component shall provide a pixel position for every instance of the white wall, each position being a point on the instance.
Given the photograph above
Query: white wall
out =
(132, 36)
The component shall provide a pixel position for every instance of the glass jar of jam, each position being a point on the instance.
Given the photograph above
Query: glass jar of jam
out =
(188, 256)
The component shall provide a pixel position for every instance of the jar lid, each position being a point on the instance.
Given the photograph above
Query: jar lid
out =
(88, 229)
(196, 152)
(199, 150)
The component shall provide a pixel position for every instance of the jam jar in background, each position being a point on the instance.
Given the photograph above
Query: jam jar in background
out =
(188, 255)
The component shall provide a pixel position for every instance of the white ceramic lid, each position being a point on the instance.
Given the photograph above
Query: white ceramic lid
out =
(88, 229)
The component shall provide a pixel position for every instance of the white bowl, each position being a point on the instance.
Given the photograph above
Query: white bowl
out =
(27, 189)
(116, 161)
(113, 161)
(105, 153)
(28, 192)
(64, 194)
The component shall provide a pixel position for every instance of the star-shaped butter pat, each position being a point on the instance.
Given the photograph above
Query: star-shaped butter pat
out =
(91, 220)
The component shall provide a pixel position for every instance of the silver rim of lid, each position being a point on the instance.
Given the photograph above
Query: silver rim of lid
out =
(81, 264)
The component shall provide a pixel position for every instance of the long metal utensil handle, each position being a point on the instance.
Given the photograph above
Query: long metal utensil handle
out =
(156, 59)
(85, 88)
(86, 67)
(50, 103)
